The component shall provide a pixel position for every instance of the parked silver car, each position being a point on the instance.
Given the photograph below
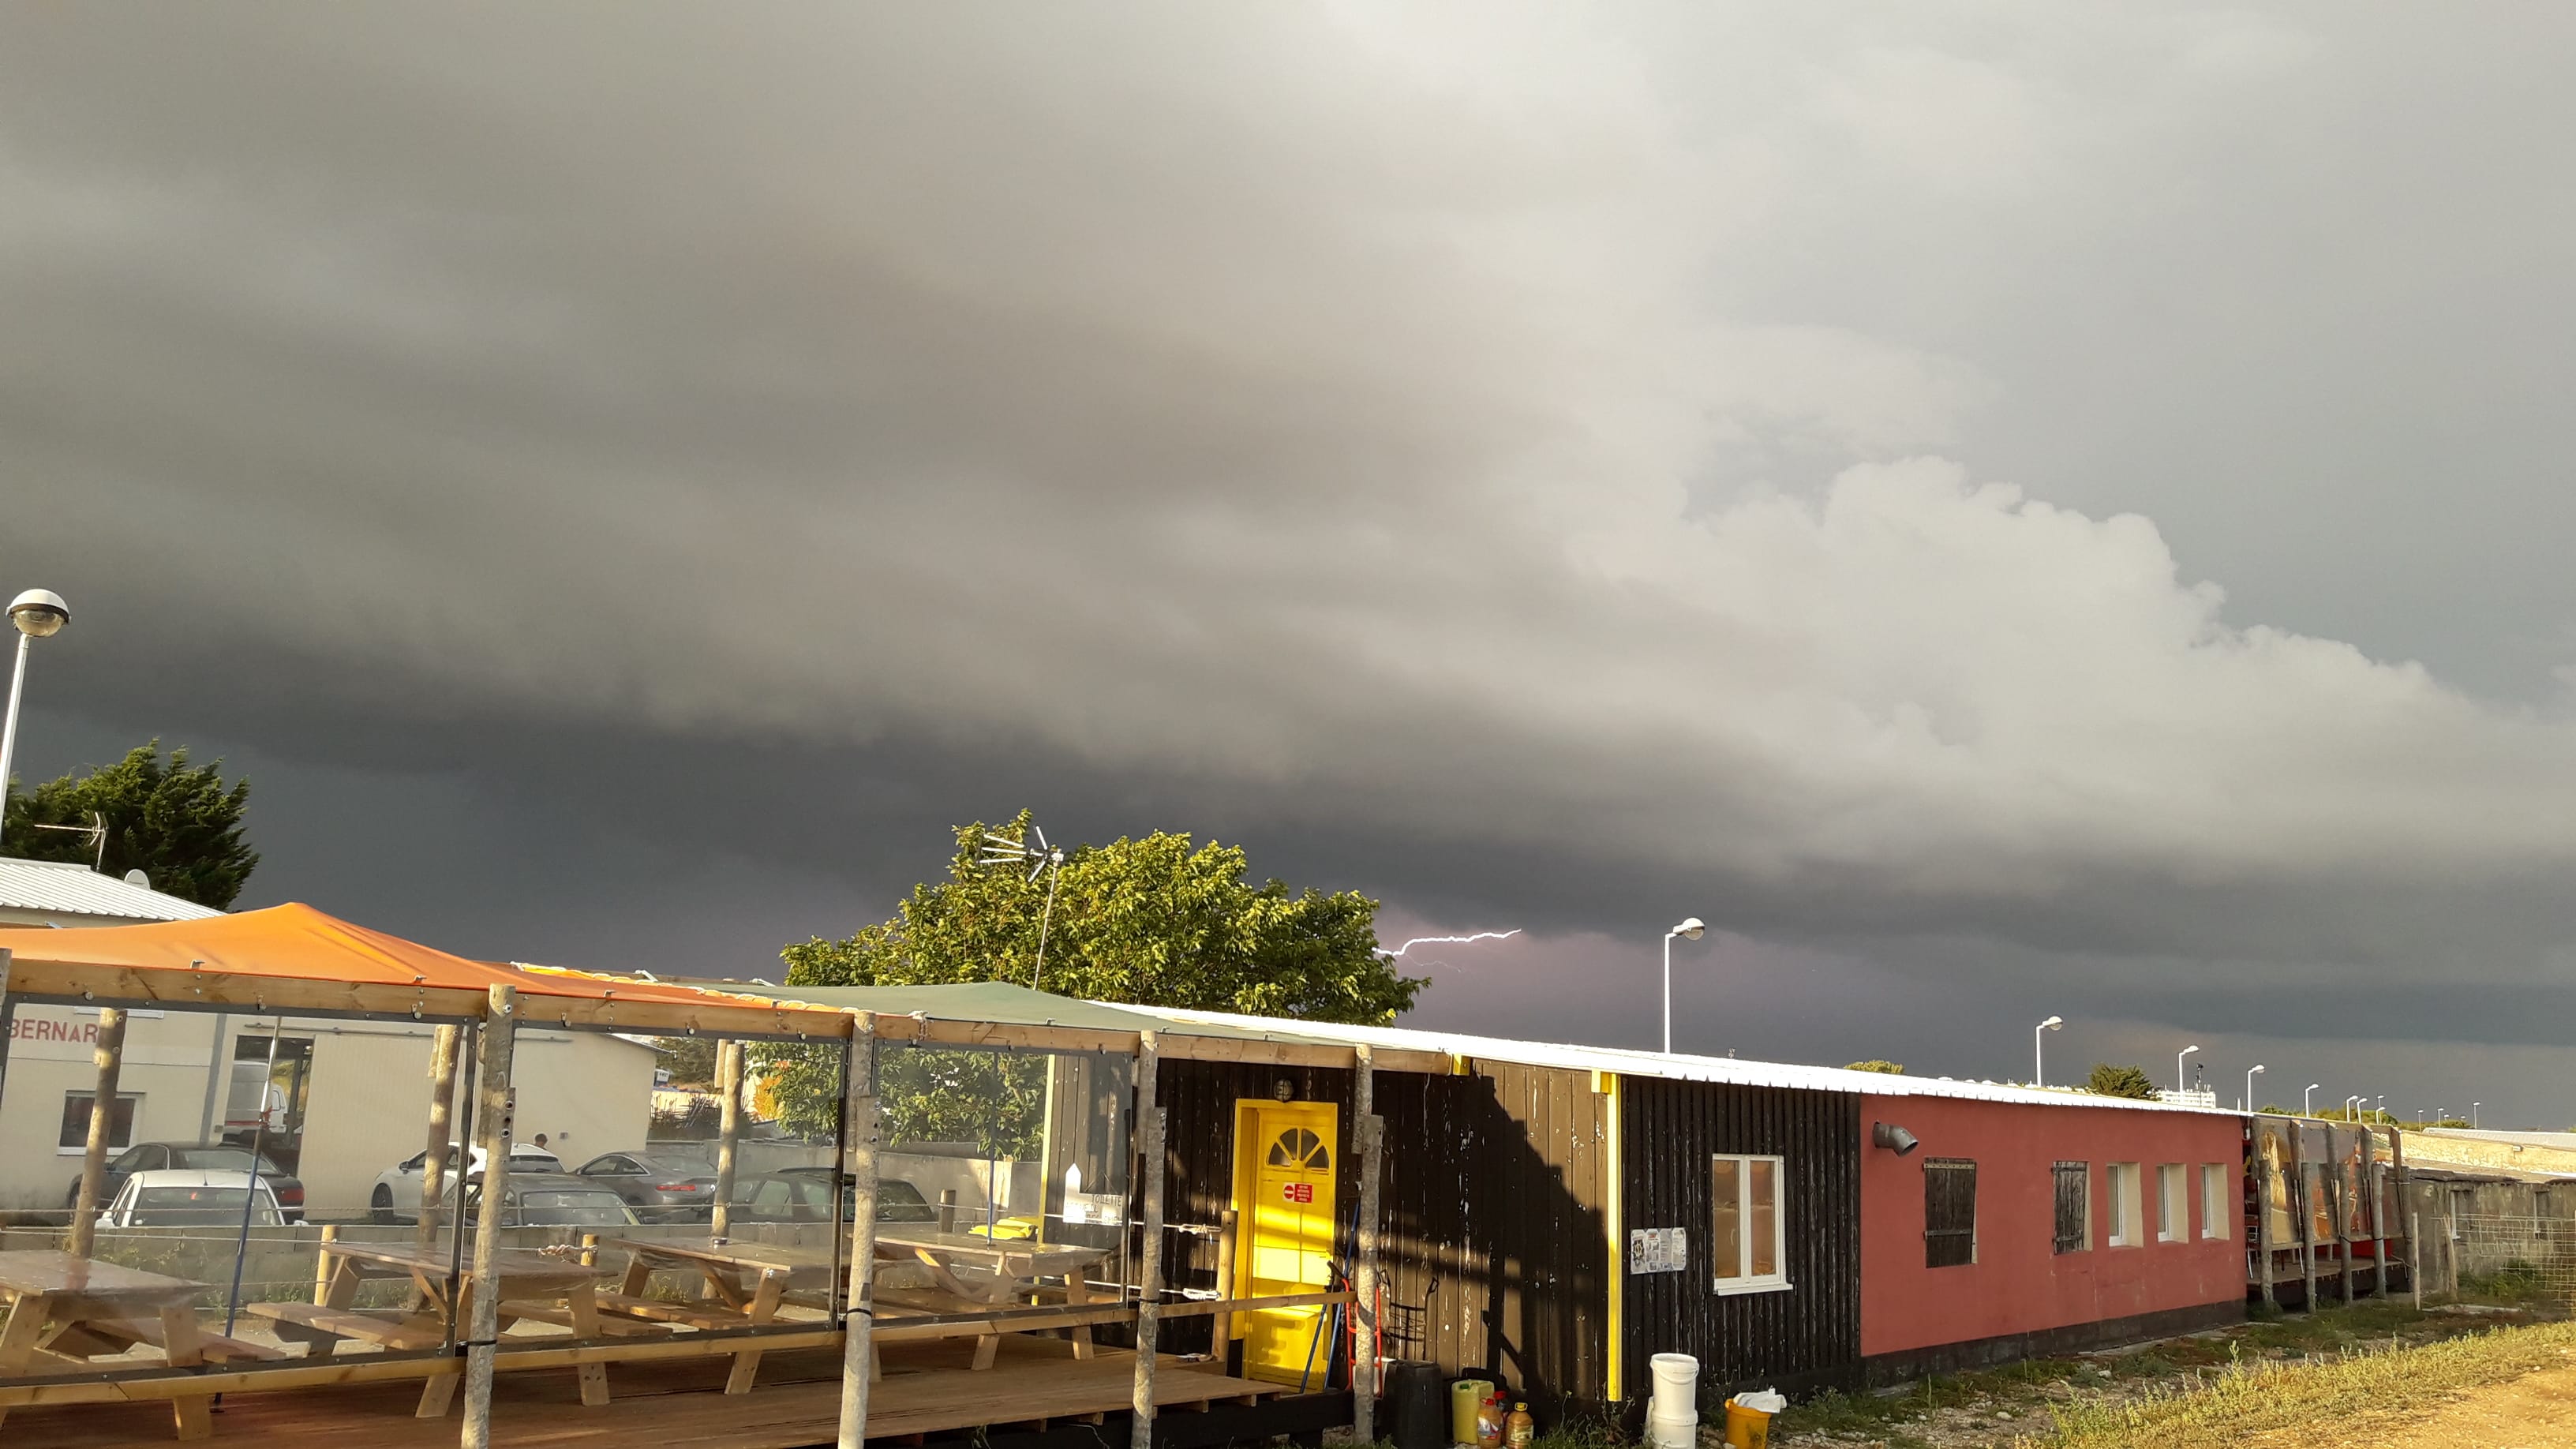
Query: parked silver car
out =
(661, 1187)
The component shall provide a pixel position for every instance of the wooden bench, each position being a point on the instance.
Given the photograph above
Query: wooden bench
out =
(555, 1313)
(116, 1335)
(657, 1310)
(315, 1326)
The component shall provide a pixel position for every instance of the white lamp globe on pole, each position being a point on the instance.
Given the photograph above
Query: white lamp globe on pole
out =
(2250, 1073)
(2039, 1049)
(39, 614)
(2181, 1083)
(1693, 927)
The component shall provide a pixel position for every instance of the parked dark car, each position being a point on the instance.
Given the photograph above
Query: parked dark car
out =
(802, 1195)
(556, 1200)
(660, 1187)
(193, 1157)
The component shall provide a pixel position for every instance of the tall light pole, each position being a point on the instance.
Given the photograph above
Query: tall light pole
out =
(2250, 1073)
(2348, 1113)
(2182, 1083)
(2308, 1100)
(2039, 1050)
(1691, 926)
(39, 614)
(2473, 1116)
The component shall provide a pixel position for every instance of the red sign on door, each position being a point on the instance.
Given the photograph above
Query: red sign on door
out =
(1297, 1191)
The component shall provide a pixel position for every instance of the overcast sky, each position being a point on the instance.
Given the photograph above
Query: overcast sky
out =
(2002, 509)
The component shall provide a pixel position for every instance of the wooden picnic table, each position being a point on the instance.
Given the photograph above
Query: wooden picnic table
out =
(65, 1309)
(538, 1287)
(746, 1284)
(1000, 1271)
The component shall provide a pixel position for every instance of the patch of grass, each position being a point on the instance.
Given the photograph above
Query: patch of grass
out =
(2349, 1388)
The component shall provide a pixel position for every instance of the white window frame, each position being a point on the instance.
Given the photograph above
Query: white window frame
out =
(1747, 1282)
(2173, 1203)
(2213, 1200)
(2127, 1204)
(133, 1122)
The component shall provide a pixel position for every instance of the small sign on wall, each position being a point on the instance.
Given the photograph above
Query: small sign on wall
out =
(1658, 1250)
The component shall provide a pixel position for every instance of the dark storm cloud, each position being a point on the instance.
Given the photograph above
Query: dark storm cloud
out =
(1521, 463)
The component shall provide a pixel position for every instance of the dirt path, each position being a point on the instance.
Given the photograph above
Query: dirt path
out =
(2537, 1411)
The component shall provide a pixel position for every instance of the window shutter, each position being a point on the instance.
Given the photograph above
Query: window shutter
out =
(2074, 1180)
(1949, 1212)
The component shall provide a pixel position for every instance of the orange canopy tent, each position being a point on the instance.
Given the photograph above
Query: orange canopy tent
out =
(293, 957)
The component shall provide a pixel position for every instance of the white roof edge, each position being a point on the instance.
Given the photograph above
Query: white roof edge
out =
(72, 889)
(1675, 1066)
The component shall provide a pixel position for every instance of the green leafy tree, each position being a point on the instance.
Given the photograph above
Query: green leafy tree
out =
(2273, 1109)
(2110, 1081)
(1159, 920)
(1877, 1064)
(691, 1059)
(175, 822)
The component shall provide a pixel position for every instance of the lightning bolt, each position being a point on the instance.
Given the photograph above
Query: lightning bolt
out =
(1399, 951)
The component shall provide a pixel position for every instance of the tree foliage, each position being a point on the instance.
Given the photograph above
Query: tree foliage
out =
(1160, 920)
(175, 822)
(1878, 1064)
(691, 1059)
(2110, 1081)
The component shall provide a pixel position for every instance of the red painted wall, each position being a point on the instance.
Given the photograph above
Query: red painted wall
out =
(2019, 1283)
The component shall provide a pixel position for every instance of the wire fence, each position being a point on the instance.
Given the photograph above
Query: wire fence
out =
(2521, 1257)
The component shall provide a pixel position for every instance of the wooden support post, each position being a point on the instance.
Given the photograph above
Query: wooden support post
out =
(323, 1265)
(2378, 1177)
(1149, 1266)
(8, 1013)
(858, 1318)
(443, 1049)
(492, 1133)
(2307, 1234)
(1221, 1326)
(2415, 1257)
(110, 1059)
(2263, 1182)
(1364, 1134)
(728, 1133)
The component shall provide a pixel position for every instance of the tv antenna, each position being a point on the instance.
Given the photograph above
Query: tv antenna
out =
(96, 830)
(1041, 859)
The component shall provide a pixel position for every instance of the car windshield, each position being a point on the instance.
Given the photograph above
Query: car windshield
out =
(675, 1167)
(163, 1207)
(220, 1159)
(897, 1202)
(574, 1209)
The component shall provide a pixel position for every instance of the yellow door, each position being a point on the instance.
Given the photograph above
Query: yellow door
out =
(1283, 1204)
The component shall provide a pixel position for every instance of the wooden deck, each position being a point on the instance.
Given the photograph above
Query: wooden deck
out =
(927, 1390)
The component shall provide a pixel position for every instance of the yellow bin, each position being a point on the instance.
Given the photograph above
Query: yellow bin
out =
(1465, 1397)
(1747, 1428)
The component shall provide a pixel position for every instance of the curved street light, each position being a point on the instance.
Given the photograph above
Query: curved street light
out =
(2473, 1116)
(2180, 1082)
(1691, 926)
(2249, 1085)
(2039, 1049)
(39, 614)
(2308, 1100)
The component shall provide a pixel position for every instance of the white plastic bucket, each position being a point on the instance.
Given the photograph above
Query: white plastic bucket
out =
(1676, 1387)
(1671, 1432)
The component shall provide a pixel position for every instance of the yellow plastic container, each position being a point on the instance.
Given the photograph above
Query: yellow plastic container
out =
(1747, 1428)
(1465, 1397)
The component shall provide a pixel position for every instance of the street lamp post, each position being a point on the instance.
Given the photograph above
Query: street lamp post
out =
(2473, 1116)
(1691, 926)
(2250, 1073)
(2039, 1050)
(39, 614)
(2308, 1100)
(2349, 1114)
(2180, 1082)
